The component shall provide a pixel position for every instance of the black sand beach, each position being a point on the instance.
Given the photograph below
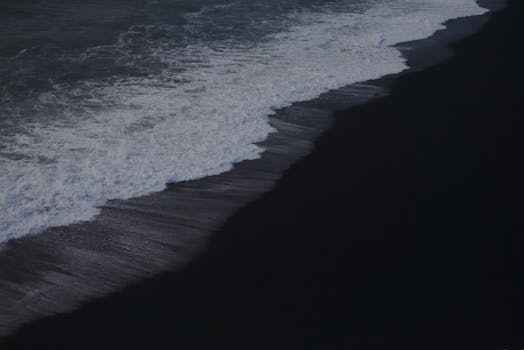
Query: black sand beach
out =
(401, 230)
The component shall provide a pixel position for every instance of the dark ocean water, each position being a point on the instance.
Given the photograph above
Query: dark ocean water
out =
(103, 102)
(112, 100)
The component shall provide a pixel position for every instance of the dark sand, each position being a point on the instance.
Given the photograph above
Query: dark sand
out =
(401, 230)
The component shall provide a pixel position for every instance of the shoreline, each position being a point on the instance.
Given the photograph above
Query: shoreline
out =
(300, 145)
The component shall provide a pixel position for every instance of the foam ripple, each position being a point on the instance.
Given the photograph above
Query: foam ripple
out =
(203, 110)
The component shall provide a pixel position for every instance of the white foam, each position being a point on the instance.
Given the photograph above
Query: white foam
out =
(130, 137)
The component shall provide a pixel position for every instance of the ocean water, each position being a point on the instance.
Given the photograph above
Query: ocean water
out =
(113, 100)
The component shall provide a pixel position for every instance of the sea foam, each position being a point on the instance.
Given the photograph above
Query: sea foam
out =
(204, 110)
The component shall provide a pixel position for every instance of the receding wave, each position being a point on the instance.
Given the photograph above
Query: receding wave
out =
(198, 108)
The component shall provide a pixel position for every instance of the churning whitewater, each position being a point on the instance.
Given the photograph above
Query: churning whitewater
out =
(89, 115)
